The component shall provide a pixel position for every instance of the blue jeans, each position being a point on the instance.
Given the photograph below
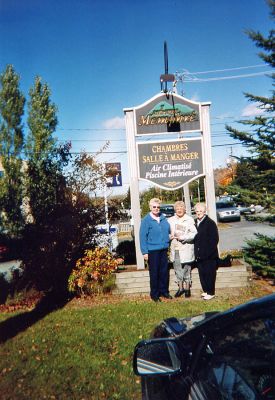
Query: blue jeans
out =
(158, 271)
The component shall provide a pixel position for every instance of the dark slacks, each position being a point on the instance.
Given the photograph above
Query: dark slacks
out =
(158, 271)
(207, 273)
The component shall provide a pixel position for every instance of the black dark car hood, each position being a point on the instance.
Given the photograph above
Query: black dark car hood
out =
(256, 308)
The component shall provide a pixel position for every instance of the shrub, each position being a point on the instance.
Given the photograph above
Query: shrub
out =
(259, 253)
(270, 218)
(93, 273)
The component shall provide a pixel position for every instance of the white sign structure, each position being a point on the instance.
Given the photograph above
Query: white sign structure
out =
(168, 163)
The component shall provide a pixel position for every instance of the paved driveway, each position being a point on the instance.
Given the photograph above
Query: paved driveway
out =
(233, 235)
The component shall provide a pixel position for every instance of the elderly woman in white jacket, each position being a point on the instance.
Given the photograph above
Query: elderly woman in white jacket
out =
(183, 231)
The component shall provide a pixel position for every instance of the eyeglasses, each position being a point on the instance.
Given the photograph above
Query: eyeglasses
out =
(155, 206)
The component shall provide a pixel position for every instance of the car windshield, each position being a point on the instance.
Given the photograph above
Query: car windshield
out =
(225, 205)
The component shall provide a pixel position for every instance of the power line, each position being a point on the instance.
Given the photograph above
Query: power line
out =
(123, 129)
(186, 76)
(91, 129)
(125, 151)
(214, 134)
(226, 69)
(100, 152)
(226, 144)
(196, 80)
(92, 140)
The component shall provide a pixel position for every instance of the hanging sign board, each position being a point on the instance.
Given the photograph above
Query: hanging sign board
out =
(170, 164)
(166, 113)
(113, 174)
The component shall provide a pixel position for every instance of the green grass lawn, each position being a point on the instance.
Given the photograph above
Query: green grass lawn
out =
(86, 352)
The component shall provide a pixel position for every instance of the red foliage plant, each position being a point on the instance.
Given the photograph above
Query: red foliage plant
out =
(93, 271)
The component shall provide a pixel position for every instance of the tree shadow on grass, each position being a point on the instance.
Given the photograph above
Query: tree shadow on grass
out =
(19, 323)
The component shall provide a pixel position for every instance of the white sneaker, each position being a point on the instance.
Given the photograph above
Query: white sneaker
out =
(204, 294)
(209, 297)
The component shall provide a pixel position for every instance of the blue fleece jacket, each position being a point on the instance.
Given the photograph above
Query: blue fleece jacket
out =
(154, 235)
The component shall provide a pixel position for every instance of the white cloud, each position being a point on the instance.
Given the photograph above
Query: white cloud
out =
(114, 123)
(251, 110)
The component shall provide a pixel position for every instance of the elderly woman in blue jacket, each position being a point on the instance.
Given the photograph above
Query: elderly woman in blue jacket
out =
(154, 243)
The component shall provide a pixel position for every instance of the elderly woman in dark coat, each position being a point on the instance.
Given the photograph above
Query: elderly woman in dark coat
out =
(206, 251)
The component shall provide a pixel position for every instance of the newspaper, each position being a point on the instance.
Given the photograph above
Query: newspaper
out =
(180, 231)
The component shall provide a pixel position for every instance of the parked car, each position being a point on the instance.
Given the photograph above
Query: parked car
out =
(167, 210)
(214, 356)
(244, 210)
(225, 198)
(227, 211)
(258, 208)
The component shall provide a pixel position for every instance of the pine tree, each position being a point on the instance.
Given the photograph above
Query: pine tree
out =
(260, 143)
(259, 253)
(12, 104)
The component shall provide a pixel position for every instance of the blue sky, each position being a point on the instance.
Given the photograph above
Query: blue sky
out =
(99, 57)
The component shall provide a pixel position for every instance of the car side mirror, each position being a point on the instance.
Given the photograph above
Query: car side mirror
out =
(157, 357)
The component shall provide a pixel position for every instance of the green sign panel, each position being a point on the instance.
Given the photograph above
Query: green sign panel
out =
(170, 164)
(167, 113)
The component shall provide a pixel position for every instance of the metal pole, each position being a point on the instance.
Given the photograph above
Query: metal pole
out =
(106, 210)
(107, 222)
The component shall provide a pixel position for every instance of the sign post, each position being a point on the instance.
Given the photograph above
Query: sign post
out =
(208, 166)
(187, 199)
(134, 184)
(113, 179)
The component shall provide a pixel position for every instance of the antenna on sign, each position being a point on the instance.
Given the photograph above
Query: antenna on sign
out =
(166, 77)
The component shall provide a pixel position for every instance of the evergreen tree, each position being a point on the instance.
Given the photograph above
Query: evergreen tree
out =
(260, 143)
(44, 164)
(11, 144)
(259, 253)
